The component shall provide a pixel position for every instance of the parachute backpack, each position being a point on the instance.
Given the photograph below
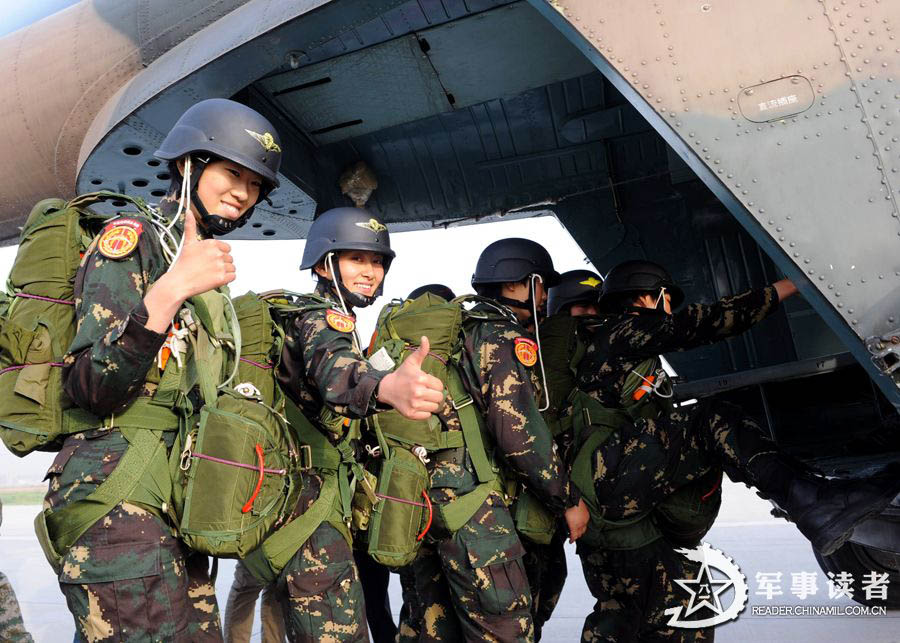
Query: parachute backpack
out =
(234, 471)
(333, 462)
(37, 322)
(686, 514)
(403, 513)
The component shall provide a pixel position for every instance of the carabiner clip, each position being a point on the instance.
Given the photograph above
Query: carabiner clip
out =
(186, 453)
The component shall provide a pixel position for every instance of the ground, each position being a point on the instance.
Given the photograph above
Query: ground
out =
(745, 532)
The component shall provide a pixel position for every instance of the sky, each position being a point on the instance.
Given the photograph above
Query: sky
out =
(445, 256)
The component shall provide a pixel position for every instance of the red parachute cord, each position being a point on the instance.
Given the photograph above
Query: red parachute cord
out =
(430, 516)
(262, 472)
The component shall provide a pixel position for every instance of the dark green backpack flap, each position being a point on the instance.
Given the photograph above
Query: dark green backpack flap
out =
(261, 344)
(239, 475)
(38, 324)
(687, 514)
(401, 513)
(532, 518)
(560, 352)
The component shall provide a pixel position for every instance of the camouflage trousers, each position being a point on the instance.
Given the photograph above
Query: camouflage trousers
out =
(470, 585)
(633, 589)
(322, 596)
(127, 578)
(546, 569)
(12, 628)
(641, 464)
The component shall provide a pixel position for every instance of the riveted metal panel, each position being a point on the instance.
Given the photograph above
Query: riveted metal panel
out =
(389, 83)
(816, 189)
(500, 53)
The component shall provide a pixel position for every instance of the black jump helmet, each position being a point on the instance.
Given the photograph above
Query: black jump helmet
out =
(439, 290)
(222, 128)
(636, 277)
(575, 286)
(347, 229)
(511, 260)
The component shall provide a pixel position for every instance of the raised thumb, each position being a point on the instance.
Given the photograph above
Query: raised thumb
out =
(421, 353)
(190, 227)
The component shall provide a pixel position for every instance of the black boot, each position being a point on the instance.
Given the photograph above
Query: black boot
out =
(825, 511)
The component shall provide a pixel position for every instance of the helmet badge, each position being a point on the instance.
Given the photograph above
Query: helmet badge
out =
(591, 282)
(266, 140)
(372, 224)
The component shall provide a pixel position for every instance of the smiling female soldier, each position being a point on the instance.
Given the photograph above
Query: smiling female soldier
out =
(328, 382)
(123, 572)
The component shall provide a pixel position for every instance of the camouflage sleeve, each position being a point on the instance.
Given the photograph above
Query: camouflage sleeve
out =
(108, 360)
(517, 427)
(694, 325)
(325, 360)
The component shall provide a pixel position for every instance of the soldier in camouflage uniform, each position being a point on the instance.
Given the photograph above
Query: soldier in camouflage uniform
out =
(12, 628)
(644, 462)
(322, 365)
(128, 577)
(472, 584)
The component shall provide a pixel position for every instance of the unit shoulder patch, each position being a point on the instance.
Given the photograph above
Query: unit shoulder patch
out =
(120, 238)
(339, 321)
(526, 351)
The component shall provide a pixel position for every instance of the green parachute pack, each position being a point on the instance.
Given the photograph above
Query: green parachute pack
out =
(404, 513)
(235, 471)
(687, 514)
(335, 464)
(232, 475)
(37, 322)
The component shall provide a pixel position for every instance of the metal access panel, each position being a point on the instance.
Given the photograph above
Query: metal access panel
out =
(788, 111)
(361, 92)
(500, 53)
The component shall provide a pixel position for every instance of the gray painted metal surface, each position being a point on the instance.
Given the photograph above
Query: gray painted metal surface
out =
(788, 112)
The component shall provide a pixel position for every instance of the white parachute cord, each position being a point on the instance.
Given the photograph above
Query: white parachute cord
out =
(182, 204)
(182, 197)
(236, 332)
(654, 386)
(662, 293)
(329, 264)
(537, 337)
(167, 240)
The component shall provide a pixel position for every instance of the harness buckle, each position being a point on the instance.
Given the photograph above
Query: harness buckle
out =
(466, 401)
(306, 454)
(186, 453)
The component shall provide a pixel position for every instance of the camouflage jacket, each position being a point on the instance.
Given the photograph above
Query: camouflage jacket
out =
(506, 393)
(618, 343)
(321, 367)
(112, 353)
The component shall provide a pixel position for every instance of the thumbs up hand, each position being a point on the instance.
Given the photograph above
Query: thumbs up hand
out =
(202, 265)
(414, 393)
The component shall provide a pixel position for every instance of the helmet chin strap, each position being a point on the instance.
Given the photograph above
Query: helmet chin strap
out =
(356, 300)
(213, 223)
(661, 300)
(340, 290)
(537, 336)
